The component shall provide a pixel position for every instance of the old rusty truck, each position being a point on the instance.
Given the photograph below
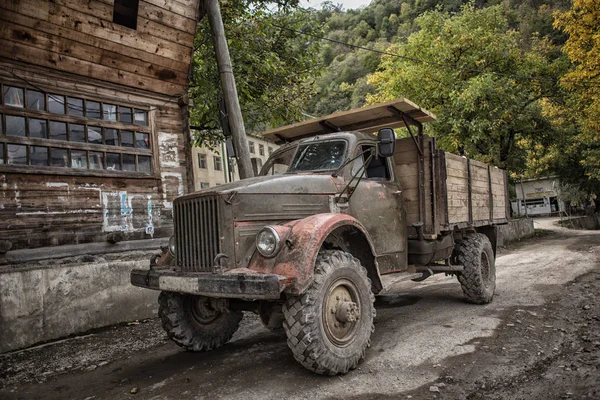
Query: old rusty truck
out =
(335, 217)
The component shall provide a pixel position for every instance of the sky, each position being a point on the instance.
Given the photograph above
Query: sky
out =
(348, 4)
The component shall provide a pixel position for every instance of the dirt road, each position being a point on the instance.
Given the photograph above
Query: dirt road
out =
(539, 338)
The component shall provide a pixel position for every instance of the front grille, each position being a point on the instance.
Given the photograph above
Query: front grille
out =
(197, 233)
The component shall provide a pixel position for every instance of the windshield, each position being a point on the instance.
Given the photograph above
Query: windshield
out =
(279, 163)
(319, 156)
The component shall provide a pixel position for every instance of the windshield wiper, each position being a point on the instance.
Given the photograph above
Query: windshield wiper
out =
(302, 155)
(357, 176)
(341, 167)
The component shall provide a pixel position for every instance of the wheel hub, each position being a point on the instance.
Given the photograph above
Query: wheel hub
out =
(203, 310)
(347, 311)
(341, 312)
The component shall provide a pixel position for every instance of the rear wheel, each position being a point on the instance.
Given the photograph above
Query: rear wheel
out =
(478, 279)
(329, 326)
(197, 323)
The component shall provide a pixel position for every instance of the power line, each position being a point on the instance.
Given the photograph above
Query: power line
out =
(437, 64)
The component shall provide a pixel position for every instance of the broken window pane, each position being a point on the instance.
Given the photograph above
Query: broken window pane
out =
(38, 155)
(17, 154)
(15, 126)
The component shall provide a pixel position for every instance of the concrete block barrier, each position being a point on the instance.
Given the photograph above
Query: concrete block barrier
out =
(42, 303)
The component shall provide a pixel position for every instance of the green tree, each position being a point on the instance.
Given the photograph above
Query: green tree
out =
(274, 67)
(582, 24)
(484, 109)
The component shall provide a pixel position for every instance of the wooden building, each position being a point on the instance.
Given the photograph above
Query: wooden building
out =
(93, 133)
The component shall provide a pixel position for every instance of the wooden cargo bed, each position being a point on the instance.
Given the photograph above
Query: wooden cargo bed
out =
(446, 191)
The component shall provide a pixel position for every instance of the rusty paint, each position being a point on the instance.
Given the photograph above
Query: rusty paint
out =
(301, 242)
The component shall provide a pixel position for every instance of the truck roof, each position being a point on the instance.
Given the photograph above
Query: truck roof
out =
(391, 114)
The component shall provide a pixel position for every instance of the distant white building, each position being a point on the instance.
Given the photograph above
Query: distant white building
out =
(539, 196)
(211, 168)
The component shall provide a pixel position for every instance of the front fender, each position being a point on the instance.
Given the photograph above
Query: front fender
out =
(301, 242)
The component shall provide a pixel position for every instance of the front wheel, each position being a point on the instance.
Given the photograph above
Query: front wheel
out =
(197, 323)
(478, 279)
(329, 326)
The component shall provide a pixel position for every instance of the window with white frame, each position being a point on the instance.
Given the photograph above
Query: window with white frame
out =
(218, 164)
(202, 161)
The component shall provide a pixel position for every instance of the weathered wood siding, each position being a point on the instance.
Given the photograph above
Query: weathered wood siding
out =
(45, 206)
(458, 192)
(79, 37)
(457, 188)
(406, 158)
(72, 48)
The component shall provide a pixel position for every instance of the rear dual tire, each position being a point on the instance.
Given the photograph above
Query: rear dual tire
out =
(478, 279)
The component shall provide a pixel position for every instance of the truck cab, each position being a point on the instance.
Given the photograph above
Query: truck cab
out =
(331, 221)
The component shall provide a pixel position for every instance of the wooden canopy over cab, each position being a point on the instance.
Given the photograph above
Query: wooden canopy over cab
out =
(392, 114)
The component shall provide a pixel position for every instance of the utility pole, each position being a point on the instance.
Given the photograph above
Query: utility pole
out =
(234, 112)
(524, 199)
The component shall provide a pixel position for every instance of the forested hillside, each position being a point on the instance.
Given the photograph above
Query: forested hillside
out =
(343, 84)
(514, 83)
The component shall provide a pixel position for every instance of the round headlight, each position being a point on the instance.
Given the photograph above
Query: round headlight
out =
(267, 241)
(172, 245)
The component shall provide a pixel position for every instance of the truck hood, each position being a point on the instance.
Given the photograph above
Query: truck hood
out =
(278, 184)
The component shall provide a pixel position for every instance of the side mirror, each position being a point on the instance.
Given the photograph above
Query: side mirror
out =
(386, 142)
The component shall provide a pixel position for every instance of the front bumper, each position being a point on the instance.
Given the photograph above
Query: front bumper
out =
(241, 285)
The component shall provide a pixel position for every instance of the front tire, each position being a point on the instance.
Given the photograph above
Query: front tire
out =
(478, 279)
(197, 323)
(329, 326)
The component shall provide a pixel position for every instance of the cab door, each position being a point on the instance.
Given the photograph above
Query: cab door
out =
(377, 204)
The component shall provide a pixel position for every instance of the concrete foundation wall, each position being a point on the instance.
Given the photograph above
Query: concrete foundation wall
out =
(516, 229)
(45, 303)
(588, 222)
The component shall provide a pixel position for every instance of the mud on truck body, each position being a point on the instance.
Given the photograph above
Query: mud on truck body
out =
(331, 221)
